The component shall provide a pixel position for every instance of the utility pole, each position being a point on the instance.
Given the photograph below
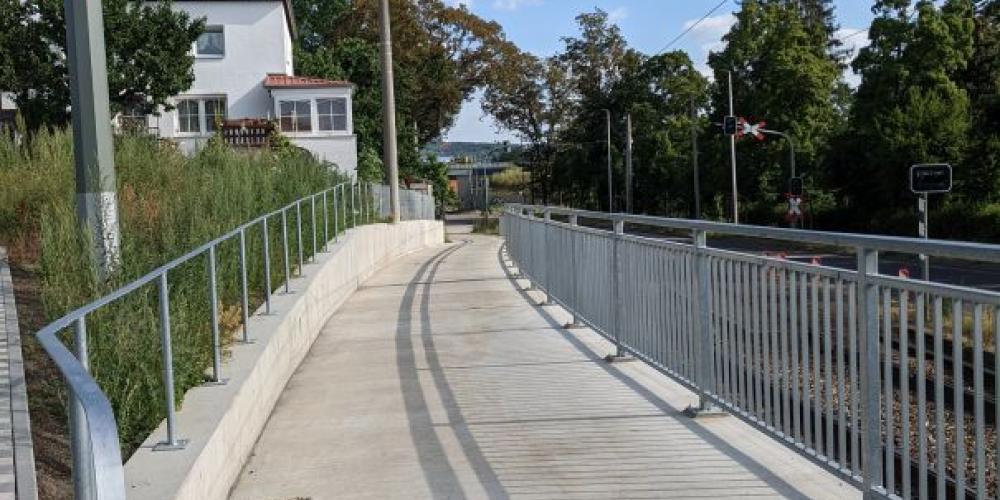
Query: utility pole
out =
(628, 163)
(93, 148)
(611, 196)
(389, 112)
(694, 160)
(732, 155)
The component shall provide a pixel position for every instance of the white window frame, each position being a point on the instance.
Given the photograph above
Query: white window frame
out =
(194, 45)
(203, 130)
(332, 116)
(314, 114)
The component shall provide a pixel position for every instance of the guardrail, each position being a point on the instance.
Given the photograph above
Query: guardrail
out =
(97, 463)
(862, 373)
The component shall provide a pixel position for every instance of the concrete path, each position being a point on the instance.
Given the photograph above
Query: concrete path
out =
(440, 378)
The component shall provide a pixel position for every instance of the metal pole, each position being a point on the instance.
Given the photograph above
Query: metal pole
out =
(83, 458)
(619, 226)
(694, 160)
(611, 198)
(326, 223)
(96, 199)
(703, 325)
(389, 110)
(267, 269)
(628, 163)
(213, 295)
(923, 232)
(336, 215)
(732, 155)
(298, 233)
(574, 221)
(871, 440)
(284, 247)
(243, 287)
(172, 443)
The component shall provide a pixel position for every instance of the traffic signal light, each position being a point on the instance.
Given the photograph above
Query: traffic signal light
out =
(729, 125)
(795, 187)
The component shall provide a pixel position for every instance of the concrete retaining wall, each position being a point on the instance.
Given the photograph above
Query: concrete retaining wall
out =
(222, 423)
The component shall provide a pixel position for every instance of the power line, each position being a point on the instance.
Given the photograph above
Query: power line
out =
(689, 28)
(852, 35)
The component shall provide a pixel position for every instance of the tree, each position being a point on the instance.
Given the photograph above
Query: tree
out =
(981, 169)
(148, 47)
(909, 108)
(786, 70)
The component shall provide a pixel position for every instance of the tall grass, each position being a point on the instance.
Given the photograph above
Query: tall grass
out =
(168, 204)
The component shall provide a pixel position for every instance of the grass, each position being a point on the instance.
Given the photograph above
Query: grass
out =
(168, 204)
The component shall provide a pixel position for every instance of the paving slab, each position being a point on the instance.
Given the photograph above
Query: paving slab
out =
(442, 378)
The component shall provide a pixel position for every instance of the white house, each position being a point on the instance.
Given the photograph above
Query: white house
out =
(243, 69)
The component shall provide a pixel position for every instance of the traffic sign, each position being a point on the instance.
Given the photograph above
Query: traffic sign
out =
(930, 178)
(795, 187)
(747, 128)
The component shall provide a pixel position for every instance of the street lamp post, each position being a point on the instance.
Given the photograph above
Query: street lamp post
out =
(732, 156)
(389, 111)
(611, 198)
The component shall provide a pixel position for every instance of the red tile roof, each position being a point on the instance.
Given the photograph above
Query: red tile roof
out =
(280, 81)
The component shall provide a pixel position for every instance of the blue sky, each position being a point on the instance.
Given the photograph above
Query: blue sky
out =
(538, 26)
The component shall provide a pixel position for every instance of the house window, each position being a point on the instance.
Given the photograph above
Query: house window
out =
(200, 115)
(211, 43)
(332, 114)
(187, 116)
(296, 116)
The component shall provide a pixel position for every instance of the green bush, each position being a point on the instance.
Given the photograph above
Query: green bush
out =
(168, 205)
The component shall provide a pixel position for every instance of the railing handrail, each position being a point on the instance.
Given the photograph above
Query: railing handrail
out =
(104, 474)
(985, 252)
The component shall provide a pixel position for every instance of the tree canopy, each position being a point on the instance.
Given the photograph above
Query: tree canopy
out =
(148, 52)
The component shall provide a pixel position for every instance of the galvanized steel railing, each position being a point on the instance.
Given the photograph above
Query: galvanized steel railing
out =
(858, 371)
(97, 463)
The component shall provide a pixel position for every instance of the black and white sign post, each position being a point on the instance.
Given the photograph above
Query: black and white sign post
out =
(926, 179)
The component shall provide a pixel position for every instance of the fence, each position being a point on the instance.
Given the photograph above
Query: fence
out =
(414, 204)
(97, 464)
(865, 374)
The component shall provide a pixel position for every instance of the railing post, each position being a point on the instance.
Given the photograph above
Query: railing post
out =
(354, 208)
(336, 214)
(326, 223)
(298, 232)
(284, 247)
(267, 268)
(82, 448)
(704, 345)
(871, 440)
(312, 212)
(243, 287)
(172, 443)
(574, 273)
(616, 302)
(547, 214)
(213, 296)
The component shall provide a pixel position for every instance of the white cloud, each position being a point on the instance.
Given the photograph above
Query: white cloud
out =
(707, 35)
(456, 3)
(852, 40)
(513, 4)
(617, 15)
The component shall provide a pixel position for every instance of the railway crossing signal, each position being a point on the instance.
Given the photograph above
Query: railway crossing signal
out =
(729, 125)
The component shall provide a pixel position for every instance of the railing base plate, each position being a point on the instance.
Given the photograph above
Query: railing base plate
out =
(618, 358)
(165, 446)
(700, 413)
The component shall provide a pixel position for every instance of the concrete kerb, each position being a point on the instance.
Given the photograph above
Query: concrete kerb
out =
(24, 483)
(223, 422)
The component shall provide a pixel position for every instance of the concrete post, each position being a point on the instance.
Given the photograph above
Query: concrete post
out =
(96, 199)
(389, 111)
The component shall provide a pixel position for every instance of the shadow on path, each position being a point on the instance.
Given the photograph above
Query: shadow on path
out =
(437, 470)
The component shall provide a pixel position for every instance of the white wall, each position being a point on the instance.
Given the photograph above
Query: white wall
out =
(258, 42)
(341, 150)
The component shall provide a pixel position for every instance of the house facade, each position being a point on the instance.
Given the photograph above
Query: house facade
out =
(244, 70)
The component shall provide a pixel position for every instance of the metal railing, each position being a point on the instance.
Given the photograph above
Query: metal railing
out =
(863, 373)
(97, 463)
